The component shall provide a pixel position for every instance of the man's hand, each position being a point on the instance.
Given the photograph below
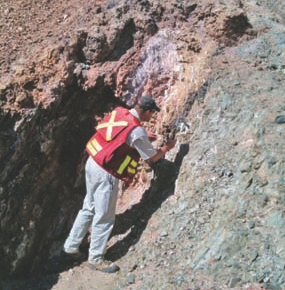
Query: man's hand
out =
(170, 144)
(151, 136)
(163, 150)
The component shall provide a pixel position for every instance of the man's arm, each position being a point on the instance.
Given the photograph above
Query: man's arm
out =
(139, 139)
(163, 150)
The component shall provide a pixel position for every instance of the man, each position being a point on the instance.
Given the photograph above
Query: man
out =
(115, 149)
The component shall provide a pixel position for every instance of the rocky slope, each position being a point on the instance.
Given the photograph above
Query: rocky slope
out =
(208, 216)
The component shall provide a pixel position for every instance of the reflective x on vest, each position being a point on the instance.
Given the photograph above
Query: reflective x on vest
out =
(110, 127)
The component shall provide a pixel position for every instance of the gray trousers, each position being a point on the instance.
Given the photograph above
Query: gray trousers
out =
(98, 211)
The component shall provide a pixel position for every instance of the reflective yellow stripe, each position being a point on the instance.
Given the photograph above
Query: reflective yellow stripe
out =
(110, 128)
(118, 123)
(131, 170)
(134, 163)
(91, 149)
(124, 164)
(110, 124)
(96, 145)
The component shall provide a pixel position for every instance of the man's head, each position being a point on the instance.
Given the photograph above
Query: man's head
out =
(146, 103)
(146, 106)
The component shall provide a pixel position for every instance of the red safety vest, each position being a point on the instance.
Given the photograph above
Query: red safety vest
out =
(108, 145)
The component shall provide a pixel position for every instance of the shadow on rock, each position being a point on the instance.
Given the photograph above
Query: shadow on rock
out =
(136, 219)
(43, 282)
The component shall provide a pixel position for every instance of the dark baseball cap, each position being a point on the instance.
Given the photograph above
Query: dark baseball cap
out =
(148, 103)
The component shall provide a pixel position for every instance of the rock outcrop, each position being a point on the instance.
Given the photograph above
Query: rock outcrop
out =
(211, 214)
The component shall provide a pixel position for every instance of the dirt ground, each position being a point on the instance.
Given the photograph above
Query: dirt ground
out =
(82, 277)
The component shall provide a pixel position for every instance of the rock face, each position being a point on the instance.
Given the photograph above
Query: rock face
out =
(212, 213)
